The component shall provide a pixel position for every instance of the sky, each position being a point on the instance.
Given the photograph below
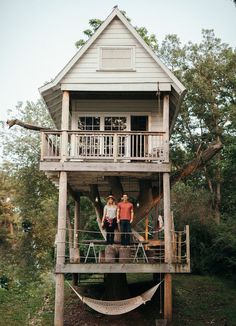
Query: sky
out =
(38, 36)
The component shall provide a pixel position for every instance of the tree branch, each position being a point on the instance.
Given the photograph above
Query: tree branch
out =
(22, 124)
(196, 164)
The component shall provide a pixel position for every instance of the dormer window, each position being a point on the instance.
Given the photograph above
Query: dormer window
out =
(117, 58)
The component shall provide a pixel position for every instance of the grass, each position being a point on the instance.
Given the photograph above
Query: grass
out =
(203, 300)
(197, 301)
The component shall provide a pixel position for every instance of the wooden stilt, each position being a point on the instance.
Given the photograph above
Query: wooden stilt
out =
(168, 298)
(61, 237)
(76, 234)
(59, 300)
(62, 211)
(76, 258)
(167, 218)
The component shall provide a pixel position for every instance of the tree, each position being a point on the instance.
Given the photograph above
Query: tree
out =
(209, 104)
(33, 195)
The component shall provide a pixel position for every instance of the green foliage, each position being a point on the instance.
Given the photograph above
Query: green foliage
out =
(221, 258)
(28, 201)
(229, 176)
(94, 24)
(151, 39)
(21, 146)
(31, 304)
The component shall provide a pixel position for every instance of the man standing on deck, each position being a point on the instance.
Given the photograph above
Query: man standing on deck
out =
(125, 215)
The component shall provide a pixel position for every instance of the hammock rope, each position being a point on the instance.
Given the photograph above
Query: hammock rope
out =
(117, 307)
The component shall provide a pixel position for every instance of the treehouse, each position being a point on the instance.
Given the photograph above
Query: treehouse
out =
(114, 106)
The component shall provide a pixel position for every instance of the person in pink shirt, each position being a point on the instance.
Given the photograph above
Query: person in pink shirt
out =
(125, 216)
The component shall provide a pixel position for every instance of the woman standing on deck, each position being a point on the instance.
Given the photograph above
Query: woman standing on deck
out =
(109, 219)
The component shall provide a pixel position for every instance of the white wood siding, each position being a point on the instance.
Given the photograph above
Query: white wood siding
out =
(86, 70)
(127, 107)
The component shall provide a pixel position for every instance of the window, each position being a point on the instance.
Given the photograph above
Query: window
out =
(89, 123)
(116, 58)
(115, 123)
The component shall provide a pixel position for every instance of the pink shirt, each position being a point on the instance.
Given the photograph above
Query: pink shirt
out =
(125, 209)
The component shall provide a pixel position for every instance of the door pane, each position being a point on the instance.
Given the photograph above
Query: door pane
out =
(115, 123)
(89, 123)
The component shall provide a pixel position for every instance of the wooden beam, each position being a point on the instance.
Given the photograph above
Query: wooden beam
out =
(168, 297)
(164, 86)
(167, 217)
(121, 268)
(61, 238)
(104, 167)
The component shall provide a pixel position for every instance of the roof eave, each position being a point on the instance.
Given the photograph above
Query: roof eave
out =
(177, 109)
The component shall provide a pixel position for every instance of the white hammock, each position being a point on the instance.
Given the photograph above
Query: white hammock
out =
(118, 307)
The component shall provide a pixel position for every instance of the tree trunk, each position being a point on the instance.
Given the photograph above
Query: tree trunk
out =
(218, 192)
(116, 286)
(116, 187)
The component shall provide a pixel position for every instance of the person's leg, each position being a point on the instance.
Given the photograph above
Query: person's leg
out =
(125, 233)
(128, 233)
(107, 233)
(112, 231)
(122, 225)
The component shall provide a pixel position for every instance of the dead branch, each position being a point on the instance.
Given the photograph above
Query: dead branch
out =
(16, 122)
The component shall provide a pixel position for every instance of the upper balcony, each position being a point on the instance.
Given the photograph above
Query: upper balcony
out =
(102, 150)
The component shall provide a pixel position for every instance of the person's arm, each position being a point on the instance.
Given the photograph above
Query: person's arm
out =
(104, 215)
(132, 214)
(118, 214)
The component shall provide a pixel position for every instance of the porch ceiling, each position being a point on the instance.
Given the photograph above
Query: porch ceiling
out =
(53, 101)
(79, 182)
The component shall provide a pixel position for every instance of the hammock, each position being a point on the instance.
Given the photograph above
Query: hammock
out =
(117, 307)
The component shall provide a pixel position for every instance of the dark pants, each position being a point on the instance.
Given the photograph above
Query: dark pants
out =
(110, 228)
(125, 229)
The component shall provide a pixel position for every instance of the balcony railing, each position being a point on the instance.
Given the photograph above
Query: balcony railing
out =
(101, 145)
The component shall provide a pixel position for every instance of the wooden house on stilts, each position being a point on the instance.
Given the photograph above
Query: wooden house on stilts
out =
(114, 106)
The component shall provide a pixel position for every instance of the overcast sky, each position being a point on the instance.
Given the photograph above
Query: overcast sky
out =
(38, 36)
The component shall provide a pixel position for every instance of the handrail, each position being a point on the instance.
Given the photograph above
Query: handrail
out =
(104, 145)
(108, 132)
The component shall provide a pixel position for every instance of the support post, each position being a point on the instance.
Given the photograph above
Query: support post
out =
(167, 218)
(188, 247)
(76, 226)
(61, 238)
(166, 126)
(168, 298)
(43, 145)
(75, 276)
(65, 125)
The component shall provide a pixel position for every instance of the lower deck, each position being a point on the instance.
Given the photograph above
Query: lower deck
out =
(122, 268)
(141, 256)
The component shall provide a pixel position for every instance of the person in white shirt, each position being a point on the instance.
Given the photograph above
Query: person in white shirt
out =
(109, 219)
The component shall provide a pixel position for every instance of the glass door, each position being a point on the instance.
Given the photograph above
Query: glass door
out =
(139, 146)
(116, 124)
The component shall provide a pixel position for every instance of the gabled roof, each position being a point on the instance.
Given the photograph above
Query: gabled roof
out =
(55, 84)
